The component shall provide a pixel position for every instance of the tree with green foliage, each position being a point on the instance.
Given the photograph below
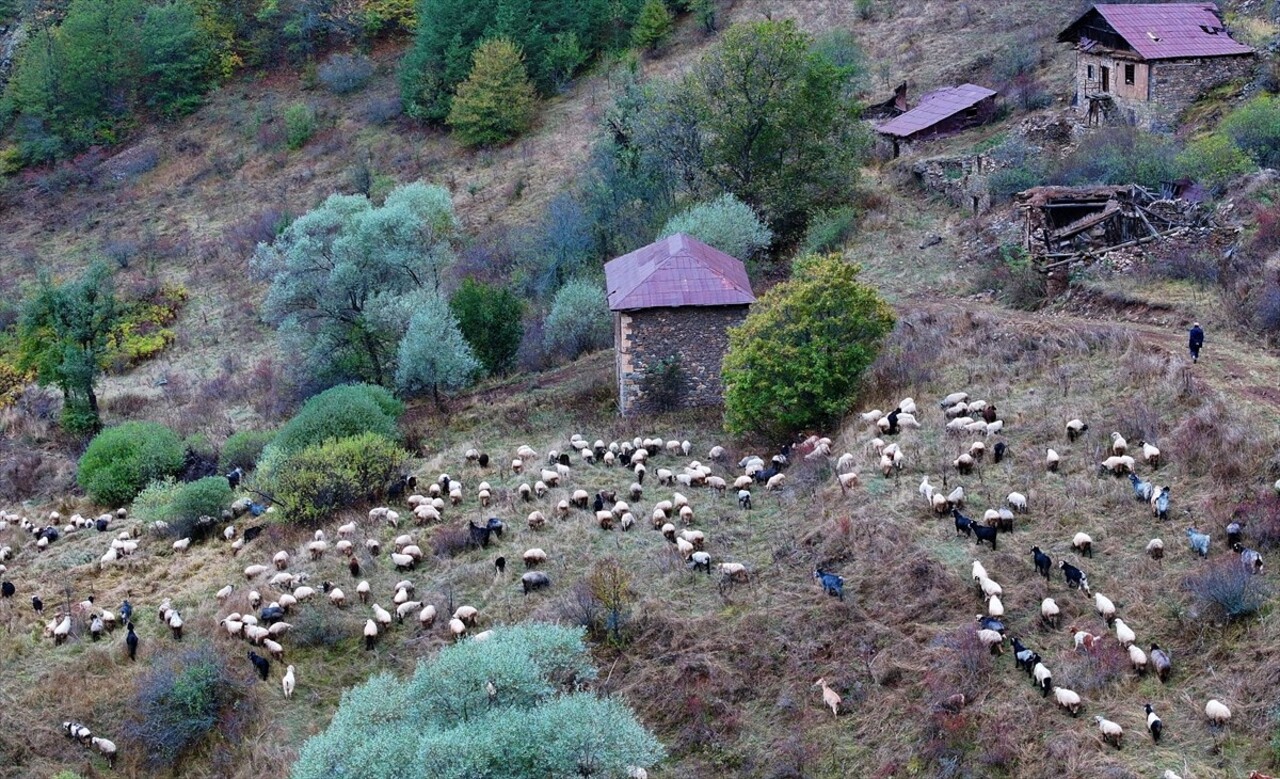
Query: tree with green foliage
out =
(764, 117)
(122, 460)
(579, 318)
(433, 354)
(497, 102)
(726, 223)
(338, 412)
(653, 26)
(335, 474)
(443, 724)
(1213, 160)
(182, 504)
(489, 317)
(179, 55)
(347, 276)
(63, 337)
(242, 450)
(1255, 128)
(796, 361)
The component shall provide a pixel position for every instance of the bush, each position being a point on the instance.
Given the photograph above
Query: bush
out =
(185, 696)
(1007, 182)
(797, 360)
(1009, 273)
(725, 223)
(653, 25)
(1227, 591)
(441, 723)
(333, 475)
(182, 504)
(497, 102)
(340, 412)
(345, 73)
(579, 319)
(121, 460)
(1213, 160)
(433, 354)
(243, 449)
(1255, 128)
(323, 628)
(829, 230)
(1261, 518)
(490, 319)
(299, 125)
(1121, 155)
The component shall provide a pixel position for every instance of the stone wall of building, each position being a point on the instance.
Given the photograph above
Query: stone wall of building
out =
(1176, 84)
(696, 335)
(1162, 90)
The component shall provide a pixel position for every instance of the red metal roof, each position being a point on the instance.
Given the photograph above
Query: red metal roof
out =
(1169, 30)
(934, 107)
(676, 271)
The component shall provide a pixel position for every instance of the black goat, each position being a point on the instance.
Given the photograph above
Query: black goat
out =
(765, 475)
(598, 503)
(131, 641)
(261, 664)
(893, 422)
(250, 533)
(7, 590)
(480, 536)
(983, 533)
(101, 524)
(1074, 577)
(564, 459)
(500, 564)
(37, 604)
(1024, 658)
(832, 584)
(1000, 451)
(50, 533)
(233, 478)
(1235, 534)
(484, 460)
(202, 529)
(1043, 562)
(963, 524)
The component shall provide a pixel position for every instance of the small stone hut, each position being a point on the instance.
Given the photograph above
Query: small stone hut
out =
(673, 302)
(938, 113)
(1144, 64)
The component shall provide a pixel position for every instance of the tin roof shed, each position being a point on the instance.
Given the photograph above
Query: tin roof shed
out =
(676, 271)
(934, 109)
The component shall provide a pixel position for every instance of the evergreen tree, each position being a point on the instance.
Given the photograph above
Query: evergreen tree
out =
(497, 102)
(489, 318)
(179, 57)
(653, 26)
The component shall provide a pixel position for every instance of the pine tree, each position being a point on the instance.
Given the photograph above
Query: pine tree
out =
(497, 102)
(653, 25)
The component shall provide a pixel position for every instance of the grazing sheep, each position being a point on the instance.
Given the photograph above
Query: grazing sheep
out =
(1150, 454)
(362, 591)
(832, 584)
(260, 664)
(953, 399)
(1217, 712)
(1043, 679)
(1160, 659)
(221, 594)
(775, 482)
(829, 696)
(1042, 561)
(534, 580)
(1235, 533)
(1083, 544)
(1051, 461)
(992, 640)
(990, 587)
(181, 544)
(733, 572)
(1111, 732)
(370, 634)
(994, 607)
(700, 560)
(994, 427)
(105, 747)
(1155, 549)
(534, 557)
(963, 464)
(1249, 558)
(1137, 659)
(276, 650)
(744, 499)
(1106, 609)
(427, 616)
(1049, 612)
(1199, 542)
(1119, 446)
(1075, 429)
(955, 498)
(1067, 699)
(1124, 634)
(1116, 465)
(1017, 501)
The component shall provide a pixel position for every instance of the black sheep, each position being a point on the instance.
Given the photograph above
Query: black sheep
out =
(250, 533)
(963, 524)
(991, 623)
(598, 504)
(483, 460)
(131, 641)
(999, 451)
(480, 536)
(1043, 562)
(353, 565)
(234, 478)
(564, 459)
(1235, 533)
(7, 590)
(1073, 576)
(892, 418)
(271, 614)
(989, 414)
(501, 565)
(534, 580)
(261, 664)
(983, 533)
(37, 604)
(101, 524)
(50, 533)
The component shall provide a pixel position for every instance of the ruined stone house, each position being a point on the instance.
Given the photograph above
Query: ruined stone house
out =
(673, 302)
(1144, 64)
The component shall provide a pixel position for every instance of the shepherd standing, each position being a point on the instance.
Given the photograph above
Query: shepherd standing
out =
(1195, 342)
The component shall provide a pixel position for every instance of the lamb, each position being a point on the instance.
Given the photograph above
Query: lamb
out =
(1199, 542)
(370, 634)
(1124, 634)
(1043, 679)
(1217, 712)
(1042, 562)
(534, 557)
(1049, 612)
(1051, 461)
(106, 748)
(1155, 549)
(1119, 446)
(1083, 544)
(1018, 502)
(1111, 732)
(1075, 429)
(1138, 659)
(1106, 609)
(288, 682)
(1067, 699)
(181, 544)
(1160, 659)
(832, 584)
(829, 696)
(1116, 465)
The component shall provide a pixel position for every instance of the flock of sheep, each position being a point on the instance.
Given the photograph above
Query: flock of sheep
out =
(959, 412)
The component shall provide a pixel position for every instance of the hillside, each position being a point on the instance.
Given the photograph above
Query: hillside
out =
(722, 672)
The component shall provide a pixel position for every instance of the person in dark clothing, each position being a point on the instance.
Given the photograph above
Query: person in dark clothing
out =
(1195, 342)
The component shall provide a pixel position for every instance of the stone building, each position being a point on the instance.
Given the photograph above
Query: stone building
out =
(673, 302)
(1144, 64)
(938, 113)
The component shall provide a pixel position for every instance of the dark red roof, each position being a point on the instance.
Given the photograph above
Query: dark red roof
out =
(1166, 30)
(934, 108)
(676, 271)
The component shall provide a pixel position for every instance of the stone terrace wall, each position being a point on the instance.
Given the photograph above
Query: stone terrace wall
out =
(696, 334)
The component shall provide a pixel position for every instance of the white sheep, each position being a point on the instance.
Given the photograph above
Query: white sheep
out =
(1137, 658)
(1118, 465)
(994, 607)
(1075, 428)
(370, 633)
(274, 647)
(1051, 461)
(991, 639)
(775, 481)
(736, 572)
(537, 520)
(829, 696)
(381, 616)
(255, 570)
(1083, 543)
(1124, 634)
(224, 593)
(1150, 454)
(1118, 445)
(1049, 612)
(1111, 732)
(1216, 711)
(990, 588)
(534, 557)
(1067, 699)
(181, 544)
(288, 682)
(106, 748)
(979, 572)
(1106, 609)
(337, 597)
(347, 530)
(362, 591)
(427, 616)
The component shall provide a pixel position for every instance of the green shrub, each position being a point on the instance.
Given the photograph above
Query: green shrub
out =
(1213, 160)
(328, 476)
(653, 26)
(181, 504)
(340, 412)
(797, 360)
(1121, 155)
(1007, 182)
(243, 449)
(726, 223)
(184, 696)
(579, 319)
(829, 230)
(441, 724)
(299, 125)
(1255, 128)
(121, 460)
(490, 319)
